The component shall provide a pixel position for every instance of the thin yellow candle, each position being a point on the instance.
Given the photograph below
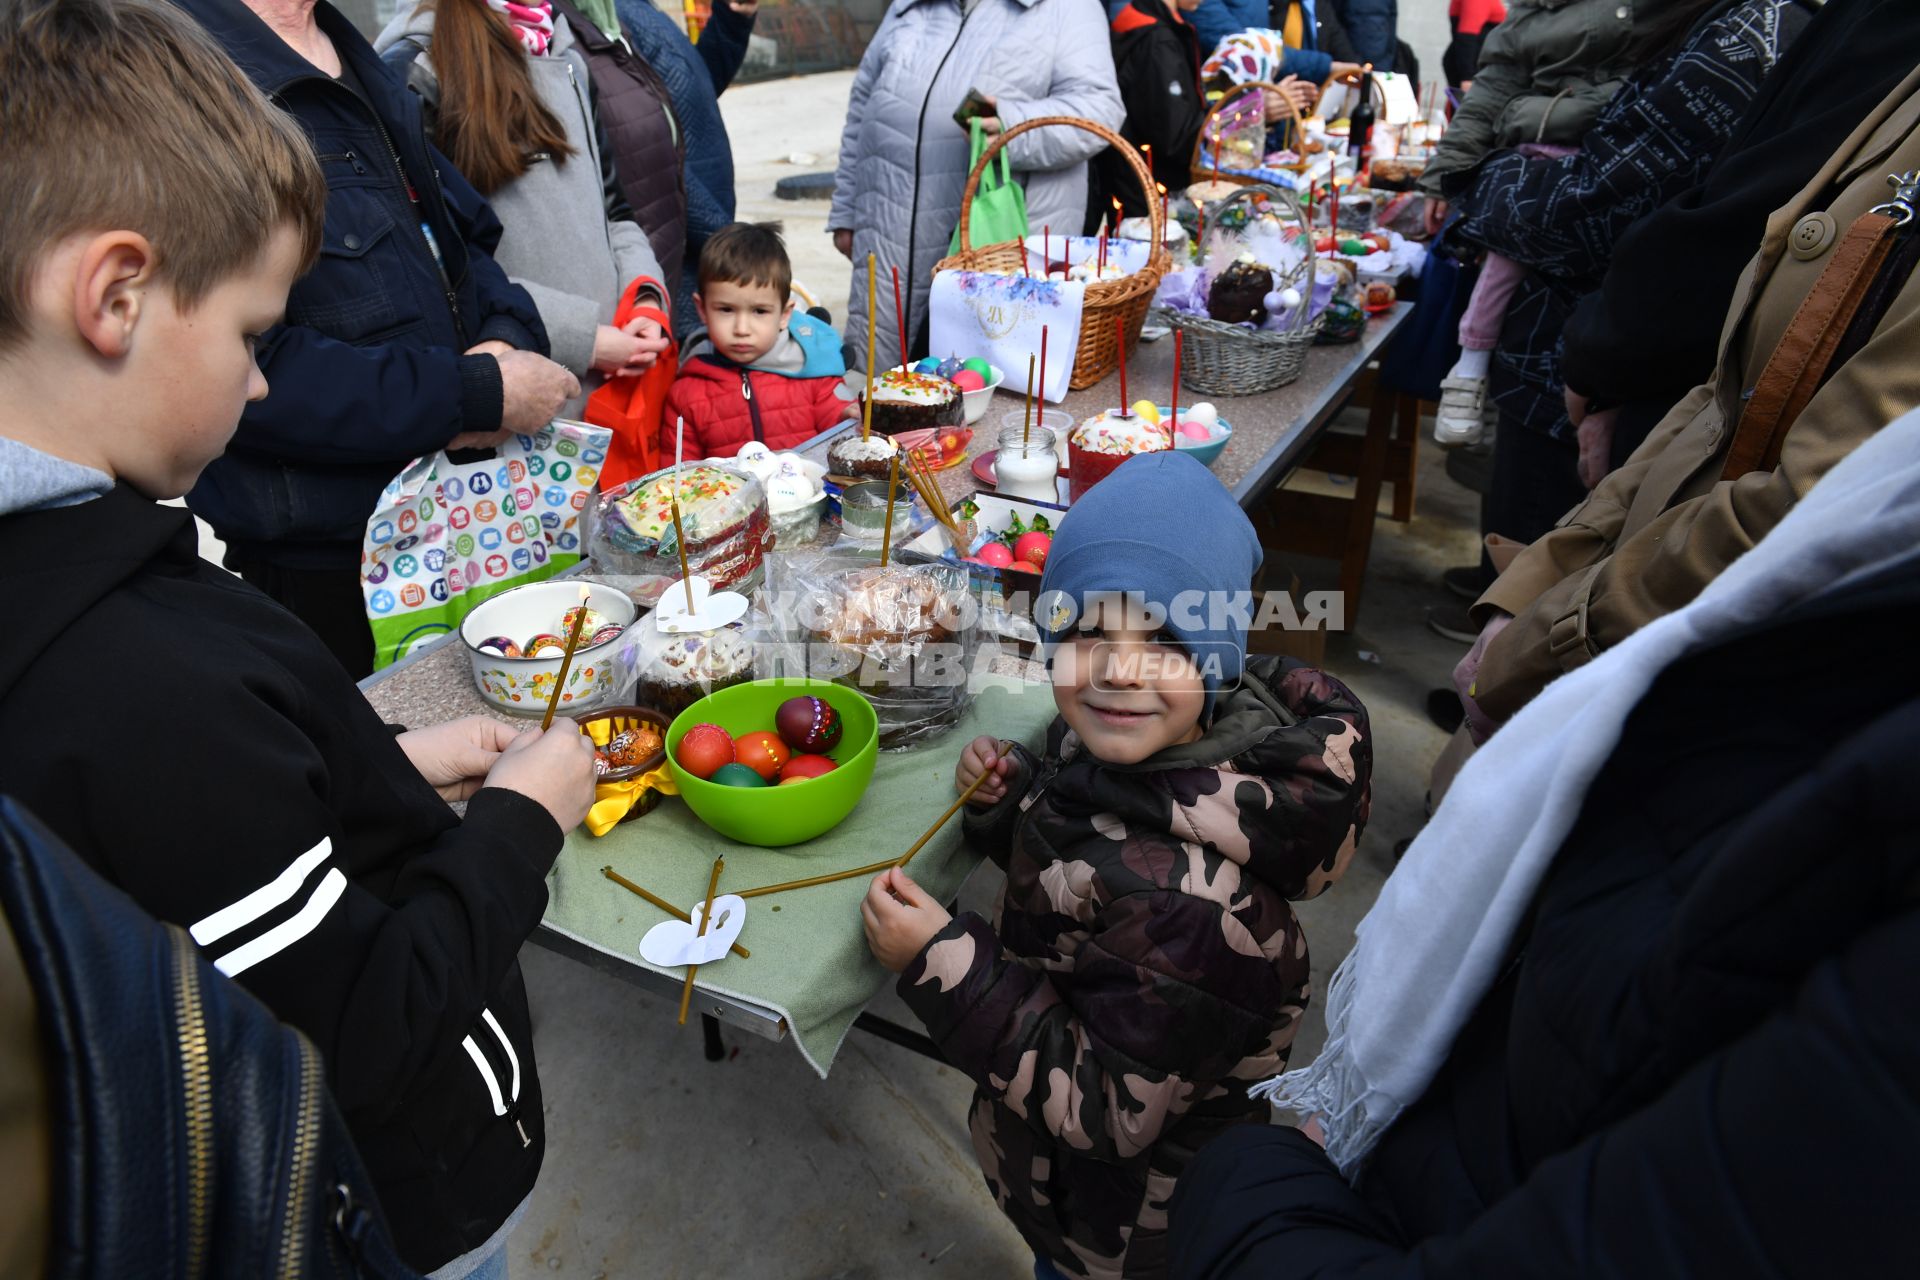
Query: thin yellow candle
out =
(873, 330)
(706, 918)
(893, 488)
(573, 642)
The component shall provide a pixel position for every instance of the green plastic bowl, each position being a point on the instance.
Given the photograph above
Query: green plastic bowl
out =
(775, 816)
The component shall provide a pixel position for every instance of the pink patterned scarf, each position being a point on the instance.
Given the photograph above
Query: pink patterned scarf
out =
(533, 22)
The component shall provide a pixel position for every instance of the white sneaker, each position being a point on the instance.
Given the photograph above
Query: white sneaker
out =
(1461, 419)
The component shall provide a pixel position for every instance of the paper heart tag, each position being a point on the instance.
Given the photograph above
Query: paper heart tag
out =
(711, 609)
(672, 943)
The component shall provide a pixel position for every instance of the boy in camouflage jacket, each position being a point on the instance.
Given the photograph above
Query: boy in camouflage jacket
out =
(1145, 965)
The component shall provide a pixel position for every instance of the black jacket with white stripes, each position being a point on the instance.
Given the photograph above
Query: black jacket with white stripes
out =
(203, 750)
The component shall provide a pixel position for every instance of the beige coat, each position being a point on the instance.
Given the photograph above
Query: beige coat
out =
(1656, 531)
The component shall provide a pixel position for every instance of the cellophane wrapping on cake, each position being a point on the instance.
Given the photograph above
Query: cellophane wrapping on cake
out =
(677, 669)
(723, 512)
(905, 636)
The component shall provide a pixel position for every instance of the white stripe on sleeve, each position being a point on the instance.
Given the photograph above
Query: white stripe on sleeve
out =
(486, 1073)
(512, 1057)
(288, 931)
(262, 900)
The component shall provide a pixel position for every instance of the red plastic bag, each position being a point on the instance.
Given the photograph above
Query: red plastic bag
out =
(631, 407)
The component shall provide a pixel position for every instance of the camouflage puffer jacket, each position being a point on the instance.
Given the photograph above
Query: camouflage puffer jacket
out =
(1145, 966)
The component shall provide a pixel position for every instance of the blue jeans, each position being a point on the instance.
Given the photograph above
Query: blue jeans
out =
(1043, 1269)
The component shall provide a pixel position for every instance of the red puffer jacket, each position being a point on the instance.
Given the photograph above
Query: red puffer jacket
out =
(725, 405)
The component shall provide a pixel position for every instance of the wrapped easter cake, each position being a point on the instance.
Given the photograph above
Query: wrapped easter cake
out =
(723, 513)
(904, 637)
(679, 670)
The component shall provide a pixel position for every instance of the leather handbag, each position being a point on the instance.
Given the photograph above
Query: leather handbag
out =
(1862, 277)
(189, 1133)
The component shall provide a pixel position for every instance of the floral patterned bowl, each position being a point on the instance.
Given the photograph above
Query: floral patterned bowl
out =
(523, 686)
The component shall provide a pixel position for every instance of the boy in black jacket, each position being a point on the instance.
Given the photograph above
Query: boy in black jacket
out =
(186, 735)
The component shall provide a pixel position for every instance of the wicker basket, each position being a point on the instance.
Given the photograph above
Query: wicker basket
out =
(1112, 307)
(1222, 359)
(1209, 128)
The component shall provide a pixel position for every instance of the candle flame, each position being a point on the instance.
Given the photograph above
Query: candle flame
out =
(585, 594)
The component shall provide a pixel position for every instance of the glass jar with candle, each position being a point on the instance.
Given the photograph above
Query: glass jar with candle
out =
(1028, 461)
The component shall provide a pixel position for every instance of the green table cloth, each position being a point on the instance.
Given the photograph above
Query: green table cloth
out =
(810, 959)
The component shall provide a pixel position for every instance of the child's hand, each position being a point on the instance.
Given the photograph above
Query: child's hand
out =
(553, 769)
(900, 918)
(454, 757)
(982, 756)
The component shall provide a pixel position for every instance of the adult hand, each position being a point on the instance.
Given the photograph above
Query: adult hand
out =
(1436, 216)
(843, 242)
(1467, 671)
(1576, 404)
(1280, 103)
(553, 769)
(990, 124)
(613, 349)
(653, 341)
(983, 755)
(745, 8)
(1595, 434)
(532, 389)
(900, 918)
(454, 757)
(1311, 1128)
(491, 347)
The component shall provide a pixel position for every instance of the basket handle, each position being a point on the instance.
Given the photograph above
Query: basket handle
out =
(1248, 193)
(1126, 150)
(1233, 94)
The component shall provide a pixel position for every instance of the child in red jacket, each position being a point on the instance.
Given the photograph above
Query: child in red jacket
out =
(755, 371)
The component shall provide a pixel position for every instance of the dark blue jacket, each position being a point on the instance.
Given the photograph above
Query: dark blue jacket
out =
(368, 371)
(695, 75)
(1372, 28)
(1704, 1056)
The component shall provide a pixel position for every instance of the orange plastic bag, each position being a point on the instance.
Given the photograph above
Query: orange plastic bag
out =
(631, 407)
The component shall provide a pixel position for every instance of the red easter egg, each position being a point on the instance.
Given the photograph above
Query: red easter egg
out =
(761, 752)
(807, 723)
(968, 380)
(1021, 566)
(806, 766)
(995, 554)
(703, 749)
(1033, 547)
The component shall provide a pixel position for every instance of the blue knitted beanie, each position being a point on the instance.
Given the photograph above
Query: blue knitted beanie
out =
(1160, 530)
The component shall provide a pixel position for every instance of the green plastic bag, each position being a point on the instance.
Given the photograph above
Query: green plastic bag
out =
(999, 206)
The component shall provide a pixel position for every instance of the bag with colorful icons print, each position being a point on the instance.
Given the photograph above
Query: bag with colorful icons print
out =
(447, 536)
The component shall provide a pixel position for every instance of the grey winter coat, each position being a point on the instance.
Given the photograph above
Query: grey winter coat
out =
(1544, 75)
(903, 161)
(559, 243)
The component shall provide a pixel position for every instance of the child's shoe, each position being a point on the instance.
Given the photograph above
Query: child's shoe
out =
(1461, 419)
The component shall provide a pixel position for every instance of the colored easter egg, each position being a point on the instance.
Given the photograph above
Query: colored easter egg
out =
(995, 554)
(968, 380)
(1147, 409)
(787, 782)
(806, 766)
(544, 644)
(501, 647)
(1357, 248)
(1203, 413)
(1021, 566)
(609, 632)
(704, 749)
(928, 365)
(1032, 548)
(979, 366)
(737, 775)
(807, 723)
(762, 752)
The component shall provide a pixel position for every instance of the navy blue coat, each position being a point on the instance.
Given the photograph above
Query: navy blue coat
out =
(367, 372)
(1704, 1059)
(695, 75)
(1215, 20)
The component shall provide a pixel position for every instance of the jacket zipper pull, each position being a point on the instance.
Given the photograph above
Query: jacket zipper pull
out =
(513, 1114)
(746, 385)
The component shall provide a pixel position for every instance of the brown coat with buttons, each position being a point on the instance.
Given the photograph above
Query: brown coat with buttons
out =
(1656, 531)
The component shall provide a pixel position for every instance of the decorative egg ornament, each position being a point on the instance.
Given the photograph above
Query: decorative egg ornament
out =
(737, 775)
(803, 767)
(704, 750)
(808, 724)
(762, 752)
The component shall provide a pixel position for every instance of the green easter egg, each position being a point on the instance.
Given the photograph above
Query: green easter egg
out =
(1360, 247)
(980, 367)
(737, 775)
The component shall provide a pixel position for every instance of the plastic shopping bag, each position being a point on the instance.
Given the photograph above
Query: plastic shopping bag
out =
(631, 407)
(999, 210)
(447, 536)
